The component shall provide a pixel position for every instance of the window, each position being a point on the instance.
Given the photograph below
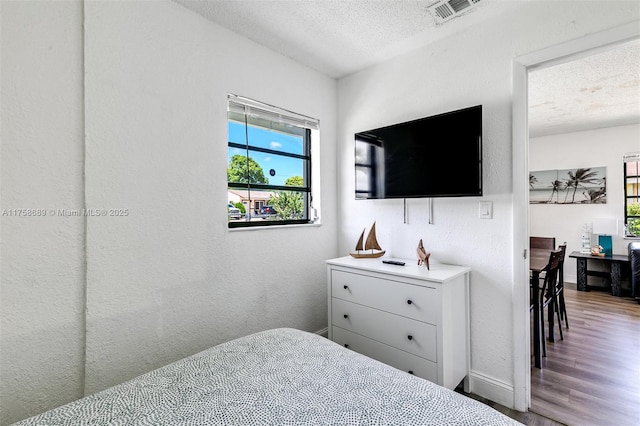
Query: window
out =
(269, 164)
(631, 194)
(369, 167)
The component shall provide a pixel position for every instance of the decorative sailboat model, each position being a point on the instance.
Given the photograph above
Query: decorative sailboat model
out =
(371, 243)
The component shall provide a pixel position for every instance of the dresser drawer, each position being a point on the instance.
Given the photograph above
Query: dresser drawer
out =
(384, 353)
(412, 301)
(409, 335)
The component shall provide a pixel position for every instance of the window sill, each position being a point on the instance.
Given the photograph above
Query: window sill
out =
(272, 227)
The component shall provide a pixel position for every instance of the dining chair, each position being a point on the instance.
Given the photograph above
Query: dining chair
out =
(547, 296)
(561, 307)
(556, 292)
(548, 243)
(541, 244)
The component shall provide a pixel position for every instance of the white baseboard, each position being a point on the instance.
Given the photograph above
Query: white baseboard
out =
(491, 389)
(324, 332)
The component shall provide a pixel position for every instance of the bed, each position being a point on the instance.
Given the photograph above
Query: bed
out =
(275, 377)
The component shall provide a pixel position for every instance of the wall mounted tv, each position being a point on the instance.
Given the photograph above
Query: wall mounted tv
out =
(437, 156)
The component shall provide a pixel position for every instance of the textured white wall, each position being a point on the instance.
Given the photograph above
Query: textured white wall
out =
(42, 258)
(169, 279)
(473, 67)
(595, 148)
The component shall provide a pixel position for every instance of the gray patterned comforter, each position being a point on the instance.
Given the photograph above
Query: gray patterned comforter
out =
(276, 377)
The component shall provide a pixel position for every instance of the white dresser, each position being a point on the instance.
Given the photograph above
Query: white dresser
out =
(414, 319)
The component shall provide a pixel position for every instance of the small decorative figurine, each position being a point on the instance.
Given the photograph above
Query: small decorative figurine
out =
(597, 251)
(423, 256)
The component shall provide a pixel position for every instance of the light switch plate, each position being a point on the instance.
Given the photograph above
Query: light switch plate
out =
(485, 210)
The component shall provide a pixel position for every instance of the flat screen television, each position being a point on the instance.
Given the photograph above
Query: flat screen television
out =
(436, 156)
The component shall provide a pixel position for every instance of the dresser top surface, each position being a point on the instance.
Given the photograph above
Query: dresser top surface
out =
(438, 272)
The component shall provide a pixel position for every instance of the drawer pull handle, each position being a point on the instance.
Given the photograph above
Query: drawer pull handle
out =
(410, 337)
(346, 287)
(346, 316)
(410, 371)
(409, 302)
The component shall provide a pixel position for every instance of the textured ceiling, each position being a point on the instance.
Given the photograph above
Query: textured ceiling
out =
(338, 38)
(601, 90)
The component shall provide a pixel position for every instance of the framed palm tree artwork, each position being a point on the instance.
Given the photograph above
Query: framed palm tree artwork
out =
(568, 186)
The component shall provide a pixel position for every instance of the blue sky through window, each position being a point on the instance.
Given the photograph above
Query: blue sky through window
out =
(276, 168)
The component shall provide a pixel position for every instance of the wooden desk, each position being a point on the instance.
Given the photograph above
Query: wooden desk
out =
(616, 262)
(538, 259)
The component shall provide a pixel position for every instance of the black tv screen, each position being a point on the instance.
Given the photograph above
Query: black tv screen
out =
(437, 156)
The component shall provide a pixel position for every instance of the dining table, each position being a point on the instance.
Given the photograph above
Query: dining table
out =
(538, 260)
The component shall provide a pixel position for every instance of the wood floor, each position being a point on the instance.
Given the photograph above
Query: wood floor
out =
(592, 377)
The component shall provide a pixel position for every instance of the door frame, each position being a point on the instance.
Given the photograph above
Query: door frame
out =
(554, 55)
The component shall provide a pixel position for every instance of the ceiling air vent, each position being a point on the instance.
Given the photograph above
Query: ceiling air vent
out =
(445, 10)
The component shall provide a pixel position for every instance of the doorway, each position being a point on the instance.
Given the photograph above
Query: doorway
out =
(521, 67)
